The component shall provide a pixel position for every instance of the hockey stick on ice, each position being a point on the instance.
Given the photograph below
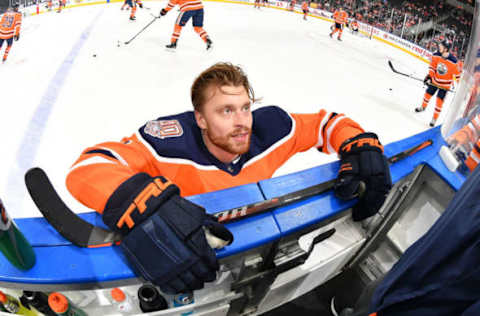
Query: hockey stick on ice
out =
(84, 234)
(144, 28)
(401, 73)
(415, 78)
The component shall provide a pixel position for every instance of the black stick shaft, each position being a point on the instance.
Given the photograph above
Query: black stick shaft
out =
(145, 27)
(267, 205)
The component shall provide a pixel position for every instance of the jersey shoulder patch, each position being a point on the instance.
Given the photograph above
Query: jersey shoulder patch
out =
(163, 128)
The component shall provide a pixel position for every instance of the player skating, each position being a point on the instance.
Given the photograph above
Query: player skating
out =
(340, 17)
(305, 9)
(442, 72)
(10, 24)
(188, 9)
(61, 4)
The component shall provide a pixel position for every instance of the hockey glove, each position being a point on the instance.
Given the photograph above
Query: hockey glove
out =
(16, 37)
(428, 80)
(163, 12)
(463, 137)
(164, 234)
(362, 161)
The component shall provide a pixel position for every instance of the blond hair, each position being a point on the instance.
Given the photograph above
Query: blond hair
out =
(220, 74)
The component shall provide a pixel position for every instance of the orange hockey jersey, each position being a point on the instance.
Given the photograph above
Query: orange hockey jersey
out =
(305, 6)
(340, 17)
(443, 71)
(173, 146)
(10, 24)
(185, 5)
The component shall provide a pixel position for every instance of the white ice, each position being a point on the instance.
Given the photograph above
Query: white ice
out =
(291, 62)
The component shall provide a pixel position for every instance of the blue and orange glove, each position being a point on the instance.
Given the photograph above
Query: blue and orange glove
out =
(363, 163)
(164, 234)
(163, 12)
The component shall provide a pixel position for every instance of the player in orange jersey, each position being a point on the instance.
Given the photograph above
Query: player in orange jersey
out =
(10, 24)
(256, 4)
(188, 9)
(49, 5)
(221, 144)
(354, 26)
(305, 9)
(292, 5)
(465, 143)
(61, 4)
(340, 18)
(133, 9)
(442, 72)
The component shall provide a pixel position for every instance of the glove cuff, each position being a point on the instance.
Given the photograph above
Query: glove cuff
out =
(135, 200)
(359, 143)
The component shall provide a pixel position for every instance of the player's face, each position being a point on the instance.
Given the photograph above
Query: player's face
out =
(441, 49)
(226, 120)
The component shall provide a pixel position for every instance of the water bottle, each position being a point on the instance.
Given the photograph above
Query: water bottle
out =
(62, 306)
(13, 244)
(150, 299)
(38, 300)
(121, 300)
(12, 305)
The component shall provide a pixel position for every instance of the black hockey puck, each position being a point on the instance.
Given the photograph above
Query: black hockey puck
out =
(390, 89)
(94, 55)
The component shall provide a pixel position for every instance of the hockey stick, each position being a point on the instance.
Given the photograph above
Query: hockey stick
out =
(415, 78)
(151, 22)
(84, 234)
(401, 73)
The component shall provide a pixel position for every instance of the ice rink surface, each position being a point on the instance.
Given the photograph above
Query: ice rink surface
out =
(58, 99)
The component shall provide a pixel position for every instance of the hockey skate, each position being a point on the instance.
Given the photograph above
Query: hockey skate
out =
(171, 47)
(330, 35)
(419, 109)
(209, 44)
(432, 122)
(132, 18)
(338, 38)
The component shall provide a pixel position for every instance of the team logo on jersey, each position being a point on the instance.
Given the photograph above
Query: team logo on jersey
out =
(442, 69)
(164, 129)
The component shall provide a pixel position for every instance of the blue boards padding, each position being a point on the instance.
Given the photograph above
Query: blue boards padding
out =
(59, 262)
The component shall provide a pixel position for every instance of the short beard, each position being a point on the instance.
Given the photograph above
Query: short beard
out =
(222, 142)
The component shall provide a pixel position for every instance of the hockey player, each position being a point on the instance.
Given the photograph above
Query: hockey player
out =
(188, 9)
(354, 26)
(442, 72)
(292, 5)
(305, 9)
(340, 18)
(256, 4)
(133, 8)
(125, 3)
(465, 143)
(10, 28)
(61, 4)
(138, 183)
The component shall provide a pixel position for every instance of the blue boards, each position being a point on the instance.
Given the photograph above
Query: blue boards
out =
(59, 262)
